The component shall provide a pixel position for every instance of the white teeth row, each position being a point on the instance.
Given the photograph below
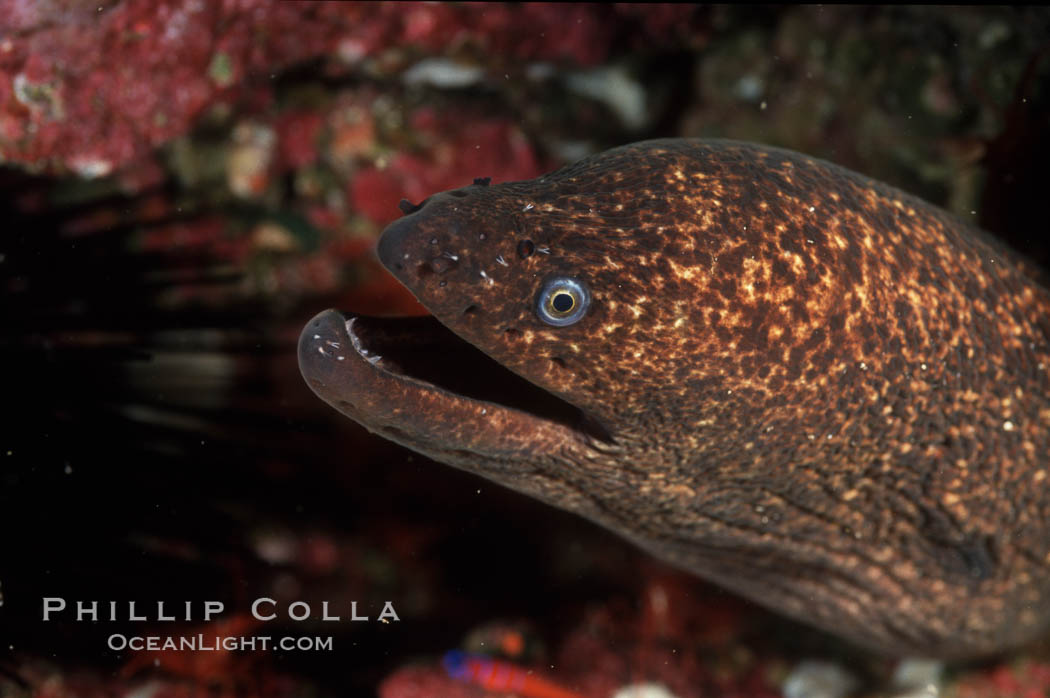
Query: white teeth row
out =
(358, 346)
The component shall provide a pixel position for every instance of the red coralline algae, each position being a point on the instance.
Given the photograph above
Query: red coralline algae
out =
(298, 139)
(1025, 679)
(375, 193)
(91, 91)
(459, 147)
(348, 174)
(427, 682)
(658, 639)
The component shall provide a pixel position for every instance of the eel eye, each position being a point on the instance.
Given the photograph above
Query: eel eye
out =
(563, 301)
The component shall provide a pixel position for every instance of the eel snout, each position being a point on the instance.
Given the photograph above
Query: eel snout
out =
(331, 365)
(415, 382)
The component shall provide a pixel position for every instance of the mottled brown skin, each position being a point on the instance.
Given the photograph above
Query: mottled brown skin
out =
(804, 385)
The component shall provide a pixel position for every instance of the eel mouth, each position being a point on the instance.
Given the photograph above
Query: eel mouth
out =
(415, 381)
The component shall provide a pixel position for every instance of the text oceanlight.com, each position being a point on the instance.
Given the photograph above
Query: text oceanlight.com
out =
(215, 643)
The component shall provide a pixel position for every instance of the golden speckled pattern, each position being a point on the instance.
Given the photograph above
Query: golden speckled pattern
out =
(819, 391)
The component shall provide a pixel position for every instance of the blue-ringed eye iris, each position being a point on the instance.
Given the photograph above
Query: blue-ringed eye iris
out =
(563, 301)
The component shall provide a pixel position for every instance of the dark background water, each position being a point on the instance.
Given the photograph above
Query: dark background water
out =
(158, 442)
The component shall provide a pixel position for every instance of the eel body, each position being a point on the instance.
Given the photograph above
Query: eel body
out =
(804, 385)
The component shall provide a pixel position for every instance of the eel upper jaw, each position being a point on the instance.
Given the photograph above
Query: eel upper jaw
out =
(391, 376)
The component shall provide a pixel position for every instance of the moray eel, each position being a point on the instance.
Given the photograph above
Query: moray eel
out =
(804, 385)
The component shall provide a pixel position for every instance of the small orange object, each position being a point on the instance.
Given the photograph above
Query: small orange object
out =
(512, 643)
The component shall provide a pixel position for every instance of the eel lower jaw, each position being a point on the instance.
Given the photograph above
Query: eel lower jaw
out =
(415, 382)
